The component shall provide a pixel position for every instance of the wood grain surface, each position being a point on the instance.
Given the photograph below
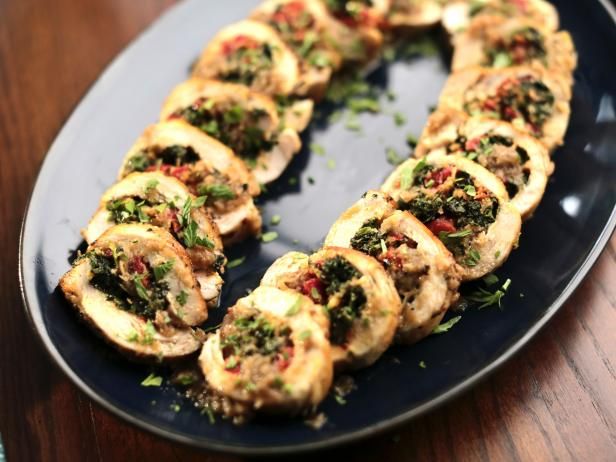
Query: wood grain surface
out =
(556, 400)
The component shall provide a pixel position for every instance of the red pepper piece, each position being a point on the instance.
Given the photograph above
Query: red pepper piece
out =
(439, 176)
(136, 265)
(441, 224)
(283, 360)
(314, 283)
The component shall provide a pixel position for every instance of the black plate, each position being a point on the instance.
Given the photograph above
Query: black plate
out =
(557, 248)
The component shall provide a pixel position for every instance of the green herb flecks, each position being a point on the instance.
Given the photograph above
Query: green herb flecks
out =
(152, 381)
(446, 326)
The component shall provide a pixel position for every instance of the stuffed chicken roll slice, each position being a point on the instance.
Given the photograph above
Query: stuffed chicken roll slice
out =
(303, 26)
(358, 295)
(251, 53)
(459, 14)
(135, 287)
(354, 28)
(463, 204)
(159, 200)
(271, 353)
(533, 100)
(423, 270)
(520, 161)
(245, 121)
(413, 15)
(207, 167)
(499, 42)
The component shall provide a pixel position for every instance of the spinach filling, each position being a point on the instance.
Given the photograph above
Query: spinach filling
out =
(232, 125)
(132, 285)
(368, 239)
(500, 155)
(341, 318)
(455, 213)
(525, 99)
(337, 271)
(163, 214)
(336, 274)
(153, 157)
(251, 335)
(523, 45)
(245, 61)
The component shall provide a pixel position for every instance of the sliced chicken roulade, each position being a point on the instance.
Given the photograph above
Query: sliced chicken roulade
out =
(463, 204)
(520, 161)
(244, 120)
(423, 270)
(458, 14)
(160, 200)
(358, 295)
(500, 42)
(251, 53)
(533, 100)
(135, 287)
(207, 167)
(303, 26)
(413, 15)
(271, 353)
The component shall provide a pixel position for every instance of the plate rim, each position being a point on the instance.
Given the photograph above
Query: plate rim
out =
(38, 326)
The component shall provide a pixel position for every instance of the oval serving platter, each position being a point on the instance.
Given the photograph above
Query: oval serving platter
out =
(557, 248)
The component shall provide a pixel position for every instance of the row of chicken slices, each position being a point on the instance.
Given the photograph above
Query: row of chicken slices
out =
(391, 265)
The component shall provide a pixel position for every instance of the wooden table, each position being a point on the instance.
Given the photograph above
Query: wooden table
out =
(555, 400)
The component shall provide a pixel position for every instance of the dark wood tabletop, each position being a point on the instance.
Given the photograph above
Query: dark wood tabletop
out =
(555, 400)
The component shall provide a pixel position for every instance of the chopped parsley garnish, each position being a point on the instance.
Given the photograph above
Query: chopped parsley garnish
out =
(161, 270)
(490, 279)
(217, 191)
(399, 119)
(393, 157)
(182, 298)
(294, 309)
(411, 140)
(486, 298)
(317, 149)
(269, 236)
(236, 262)
(444, 327)
(152, 381)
